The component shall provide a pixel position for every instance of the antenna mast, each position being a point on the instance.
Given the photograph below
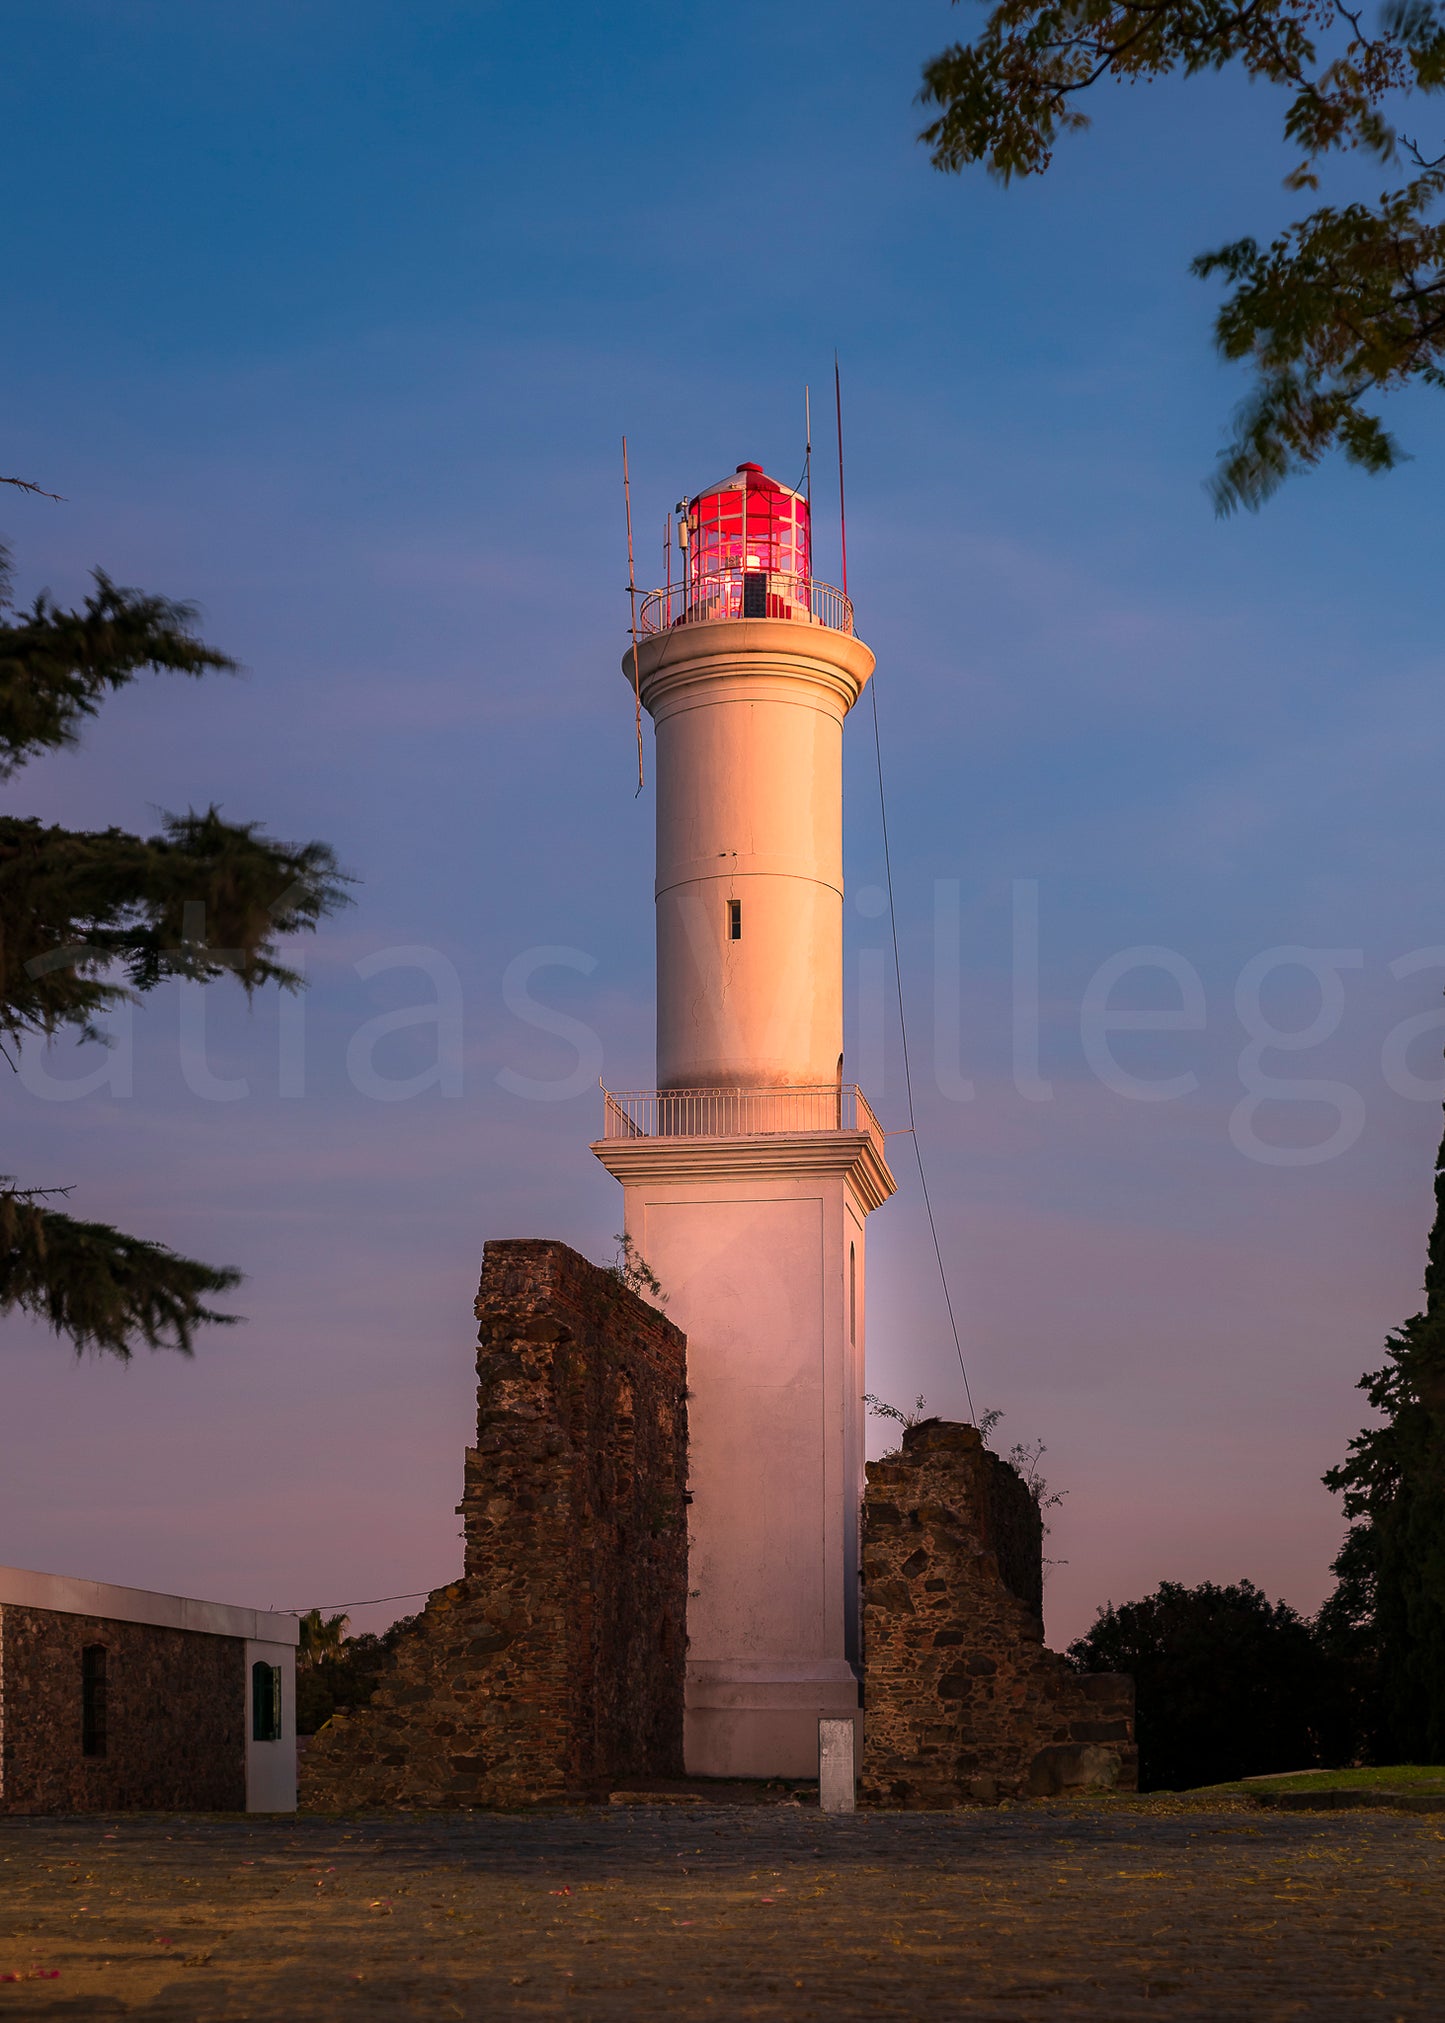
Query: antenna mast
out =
(632, 594)
(808, 466)
(842, 505)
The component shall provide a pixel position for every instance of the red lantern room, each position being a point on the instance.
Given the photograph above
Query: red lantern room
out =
(746, 553)
(746, 543)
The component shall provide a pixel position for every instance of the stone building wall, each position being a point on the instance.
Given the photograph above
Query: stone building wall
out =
(556, 1663)
(175, 1717)
(963, 1702)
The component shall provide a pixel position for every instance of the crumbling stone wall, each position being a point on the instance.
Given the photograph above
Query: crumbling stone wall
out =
(556, 1663)
(175, 1716)
(963, 1702)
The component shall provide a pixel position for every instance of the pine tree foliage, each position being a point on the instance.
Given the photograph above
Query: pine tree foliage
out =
(91, 918)
(97, 1287)
(56, 667)
(88, 919)
(1390, 1601)
(1349, 302)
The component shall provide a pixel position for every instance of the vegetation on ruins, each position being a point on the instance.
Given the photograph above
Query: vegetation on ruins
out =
(630, 1268)
(1348, 302)
(901, 1416)
(89, 919)
(1023, 1457)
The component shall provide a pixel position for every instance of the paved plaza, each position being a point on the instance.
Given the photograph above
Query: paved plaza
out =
(1130, 1908)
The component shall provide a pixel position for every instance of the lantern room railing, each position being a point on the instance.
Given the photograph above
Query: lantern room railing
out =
(745, 593)
(737, 1113)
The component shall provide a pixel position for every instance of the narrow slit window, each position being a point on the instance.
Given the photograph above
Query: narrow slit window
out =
(853, 1293)
(92, 1700)
(735, 920)
(265, 1702)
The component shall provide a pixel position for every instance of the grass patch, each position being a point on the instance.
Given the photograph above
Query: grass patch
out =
(1373, 1777)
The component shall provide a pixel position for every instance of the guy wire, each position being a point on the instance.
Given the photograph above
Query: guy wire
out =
(632, 594)
(907, 1070)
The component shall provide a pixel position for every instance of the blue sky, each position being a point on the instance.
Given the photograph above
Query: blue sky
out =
(331, 318)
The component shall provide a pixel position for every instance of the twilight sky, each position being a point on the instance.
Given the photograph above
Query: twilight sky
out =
(331, 317)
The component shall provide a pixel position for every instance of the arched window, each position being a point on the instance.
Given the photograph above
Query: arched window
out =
(853, 1293)
(92, 1700)
(265, 1702)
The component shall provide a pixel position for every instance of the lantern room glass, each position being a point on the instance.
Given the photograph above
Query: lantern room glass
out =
(748, 545)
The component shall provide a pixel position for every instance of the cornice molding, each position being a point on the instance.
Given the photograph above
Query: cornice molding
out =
(756, 657)
(766, 1156)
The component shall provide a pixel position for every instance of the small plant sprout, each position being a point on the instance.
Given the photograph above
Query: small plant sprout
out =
(881, 1409)
(630, 1268)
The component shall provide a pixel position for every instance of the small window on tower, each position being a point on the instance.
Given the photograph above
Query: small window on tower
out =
(735, 920)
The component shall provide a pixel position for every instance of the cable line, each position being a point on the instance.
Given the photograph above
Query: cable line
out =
(907, 1070)
(330, 1608)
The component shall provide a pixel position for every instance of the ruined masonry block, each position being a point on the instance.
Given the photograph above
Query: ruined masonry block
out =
(964, 1703)
(555, 1664)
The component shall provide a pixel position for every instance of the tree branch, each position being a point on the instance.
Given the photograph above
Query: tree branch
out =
(24, 485)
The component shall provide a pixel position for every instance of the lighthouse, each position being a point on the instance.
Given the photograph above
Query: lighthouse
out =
(750, 1171)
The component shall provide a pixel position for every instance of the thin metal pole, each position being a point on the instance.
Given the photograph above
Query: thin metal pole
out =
(743, 585)
(842, 506)
(808, 479)
(632, 594)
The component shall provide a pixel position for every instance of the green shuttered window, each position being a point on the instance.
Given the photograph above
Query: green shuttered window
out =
(265, 1702)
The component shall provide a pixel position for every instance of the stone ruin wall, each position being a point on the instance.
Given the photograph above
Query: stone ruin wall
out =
(963, 1702)
(555, 1664)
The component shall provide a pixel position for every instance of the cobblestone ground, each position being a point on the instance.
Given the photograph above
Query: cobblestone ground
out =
(1117, 1910)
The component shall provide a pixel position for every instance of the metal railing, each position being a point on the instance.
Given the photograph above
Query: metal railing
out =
(751, 593)
(736, 1113)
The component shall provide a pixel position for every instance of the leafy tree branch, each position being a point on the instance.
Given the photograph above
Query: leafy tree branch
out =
(1348, 303)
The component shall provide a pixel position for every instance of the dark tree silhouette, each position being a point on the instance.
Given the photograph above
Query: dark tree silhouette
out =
(1388, 1610)
(337, 1672)
(89, 918)
(1229, 1684)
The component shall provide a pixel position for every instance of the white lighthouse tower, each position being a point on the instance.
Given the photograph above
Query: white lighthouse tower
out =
(750, 1171)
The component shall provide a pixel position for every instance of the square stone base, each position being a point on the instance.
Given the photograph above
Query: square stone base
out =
(762, 1720)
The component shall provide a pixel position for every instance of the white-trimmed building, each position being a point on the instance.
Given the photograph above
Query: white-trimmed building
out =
(114, 1698)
